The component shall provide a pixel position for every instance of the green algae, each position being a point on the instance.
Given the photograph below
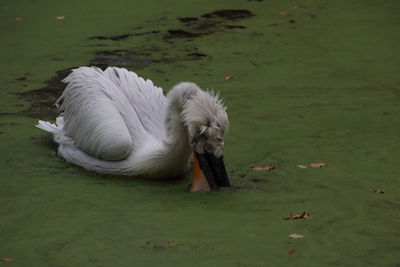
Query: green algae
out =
(319, 84)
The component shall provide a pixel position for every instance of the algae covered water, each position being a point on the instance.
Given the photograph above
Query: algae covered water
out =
(305, 82)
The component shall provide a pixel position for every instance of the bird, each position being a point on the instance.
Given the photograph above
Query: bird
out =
(115, 122)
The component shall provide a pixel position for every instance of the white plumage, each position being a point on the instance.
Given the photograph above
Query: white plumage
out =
(115, 122)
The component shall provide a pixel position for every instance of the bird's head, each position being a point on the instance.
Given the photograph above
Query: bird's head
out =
(205, 117)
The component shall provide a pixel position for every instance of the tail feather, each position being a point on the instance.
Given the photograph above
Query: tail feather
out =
(47, 126)
(56, 129)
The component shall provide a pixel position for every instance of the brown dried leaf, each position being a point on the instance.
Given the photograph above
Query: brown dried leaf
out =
(380, 191)
(282, 13)
(296, 236)
(18, 18)
(317, 165)
(7, 259)
(262, 168)
(228, 77)
(170, 244)
(304, 215)
(60, 17)
(301, 166)
(290, 252)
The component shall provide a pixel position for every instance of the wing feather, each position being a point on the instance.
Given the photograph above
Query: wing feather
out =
(147, 100)
(108, 114)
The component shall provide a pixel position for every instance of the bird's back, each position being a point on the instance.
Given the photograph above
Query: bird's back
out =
(111, 113)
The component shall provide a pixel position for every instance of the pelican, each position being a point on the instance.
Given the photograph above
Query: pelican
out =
(115, 122)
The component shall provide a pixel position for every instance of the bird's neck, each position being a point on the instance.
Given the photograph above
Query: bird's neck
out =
(176, 129)
(176, 142)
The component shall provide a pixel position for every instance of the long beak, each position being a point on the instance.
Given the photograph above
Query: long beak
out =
(209, 173)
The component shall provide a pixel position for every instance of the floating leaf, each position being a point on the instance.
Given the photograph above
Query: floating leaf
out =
(170, 244)
(290, 252)
(228, 77)
(18, 18)
(282, 13)
(317, 165)
(296, 236)
(7, 259)
(60, 17)
(301, 166)
(292, 216)
(380, 191)
(262, 168)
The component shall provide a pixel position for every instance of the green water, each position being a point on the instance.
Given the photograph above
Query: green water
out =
(319, 83)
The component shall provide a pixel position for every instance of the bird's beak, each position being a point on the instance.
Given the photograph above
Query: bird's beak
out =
(209, 173)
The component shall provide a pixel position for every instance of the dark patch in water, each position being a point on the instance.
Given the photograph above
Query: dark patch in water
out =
(113, 38)
(188, 19)
(97, 45)
(231, 14)
(145, 33)
(121, 58)
(121, 37)
(121, 51)
(42, 100)
(292, 21)
(112, 52)
(134, 60)
(209, 23)
(197, 54)
(182, 34)
(20, 79)
(235, 27)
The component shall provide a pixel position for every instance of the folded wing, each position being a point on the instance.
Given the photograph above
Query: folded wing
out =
(111, 113)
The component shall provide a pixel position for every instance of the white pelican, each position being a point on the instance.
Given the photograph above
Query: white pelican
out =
(115, 122)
